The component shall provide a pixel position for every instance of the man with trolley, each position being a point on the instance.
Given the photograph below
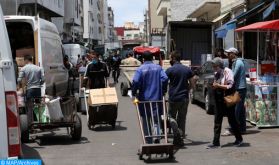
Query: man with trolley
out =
(150, 81)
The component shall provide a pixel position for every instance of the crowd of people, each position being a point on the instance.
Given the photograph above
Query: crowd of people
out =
(151, 83)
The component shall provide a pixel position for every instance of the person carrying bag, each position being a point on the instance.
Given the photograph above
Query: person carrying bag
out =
(223, 86)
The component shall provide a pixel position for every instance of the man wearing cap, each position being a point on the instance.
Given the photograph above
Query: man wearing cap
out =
(238, 68)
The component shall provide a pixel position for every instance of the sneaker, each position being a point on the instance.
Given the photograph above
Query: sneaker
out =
(238, 143)
(212, 146)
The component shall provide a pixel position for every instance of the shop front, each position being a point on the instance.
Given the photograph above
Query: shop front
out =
(263, 86)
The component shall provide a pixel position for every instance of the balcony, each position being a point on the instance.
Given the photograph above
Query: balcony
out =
(207, 10)
(163, 7)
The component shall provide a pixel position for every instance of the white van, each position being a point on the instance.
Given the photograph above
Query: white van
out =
(73, 50)
(39, 38)
(10, 145)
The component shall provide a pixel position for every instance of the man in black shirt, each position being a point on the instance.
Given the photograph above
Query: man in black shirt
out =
(115, 65)
(181, 79)
(96, 73)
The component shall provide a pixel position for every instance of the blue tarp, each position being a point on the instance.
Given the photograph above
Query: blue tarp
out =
(269, 10)
(221, 32)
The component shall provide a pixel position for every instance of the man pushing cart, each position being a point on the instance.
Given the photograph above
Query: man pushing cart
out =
(148, 86)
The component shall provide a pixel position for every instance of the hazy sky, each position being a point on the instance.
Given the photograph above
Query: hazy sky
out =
(128, 10)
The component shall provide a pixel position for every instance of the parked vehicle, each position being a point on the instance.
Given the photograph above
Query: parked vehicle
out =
(203, 91)
(205, 78)
(191, 39)
(10, 145)
(73, 50)
(39, 38)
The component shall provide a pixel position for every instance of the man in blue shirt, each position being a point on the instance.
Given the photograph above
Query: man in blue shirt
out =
(181, 77)
(151, 82)
(238, 68)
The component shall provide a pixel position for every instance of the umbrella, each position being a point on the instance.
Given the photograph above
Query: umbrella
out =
(142, 49)
(261, 26)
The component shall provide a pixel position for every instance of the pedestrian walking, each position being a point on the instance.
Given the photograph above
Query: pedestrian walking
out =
(181, 80)
(150, 81)
(96, 73)
(115, 65)
(223, 86)
(238, 68)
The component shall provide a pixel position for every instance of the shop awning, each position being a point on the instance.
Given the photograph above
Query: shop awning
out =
(269, 10)
(250, 12)
(261, 26)
(220, 17)
(142, 49)
(221, 32)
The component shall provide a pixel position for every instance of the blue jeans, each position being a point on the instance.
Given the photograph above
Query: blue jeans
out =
(240, 112)
(149, 129)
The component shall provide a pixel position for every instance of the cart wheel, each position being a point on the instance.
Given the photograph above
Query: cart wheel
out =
(124, 89)
(171, 156)
(77, 128)
(24, 128)
(113, 124)
(140, 157)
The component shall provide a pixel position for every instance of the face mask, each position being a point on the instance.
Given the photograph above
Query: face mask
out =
(94, 62)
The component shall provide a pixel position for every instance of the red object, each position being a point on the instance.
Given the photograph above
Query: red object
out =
(142, 49)
(120, 31)
(13, 124)
(261, 26)
(267, 68)
(253, 74)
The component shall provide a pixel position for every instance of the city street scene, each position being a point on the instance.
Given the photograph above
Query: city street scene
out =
(133, 82)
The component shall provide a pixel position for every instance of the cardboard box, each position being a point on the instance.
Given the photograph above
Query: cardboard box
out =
(25, 51)
(102, 96)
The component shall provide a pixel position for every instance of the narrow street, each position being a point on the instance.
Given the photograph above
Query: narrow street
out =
(119, 147)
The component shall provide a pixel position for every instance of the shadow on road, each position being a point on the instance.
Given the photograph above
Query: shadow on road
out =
(232, 145)
(248, 132)
(30, 152)
(49, 139)
(195, 143)
(159, 160)
(103, 127)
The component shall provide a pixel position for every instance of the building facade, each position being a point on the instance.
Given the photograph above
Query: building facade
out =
(44, 8)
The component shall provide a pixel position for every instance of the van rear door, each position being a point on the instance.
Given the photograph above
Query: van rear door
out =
(3, 120)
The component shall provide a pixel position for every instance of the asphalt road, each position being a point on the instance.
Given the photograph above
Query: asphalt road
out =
(119, 147)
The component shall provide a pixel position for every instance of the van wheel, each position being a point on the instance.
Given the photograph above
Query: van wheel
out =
(208, 107)
(24, 128)
(124, 89)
